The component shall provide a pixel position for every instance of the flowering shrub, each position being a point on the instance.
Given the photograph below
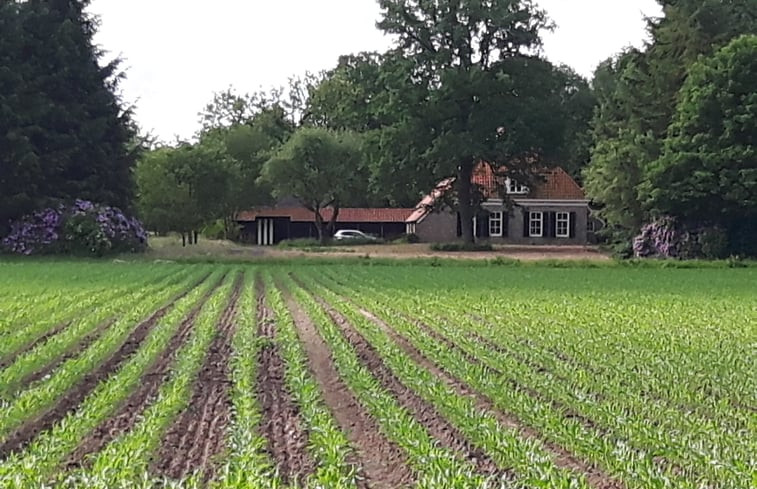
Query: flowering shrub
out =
(81, 228)
(665, 238)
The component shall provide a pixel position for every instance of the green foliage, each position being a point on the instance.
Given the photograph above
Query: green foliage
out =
(64, 132)
(480, 95)
(708, 169)
(455, 247)
(319, 167)
(640, 166)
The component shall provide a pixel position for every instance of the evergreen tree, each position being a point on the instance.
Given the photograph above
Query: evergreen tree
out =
(66, 132)
(638, 93)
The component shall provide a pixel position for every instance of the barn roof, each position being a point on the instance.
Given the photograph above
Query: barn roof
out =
(346, 215)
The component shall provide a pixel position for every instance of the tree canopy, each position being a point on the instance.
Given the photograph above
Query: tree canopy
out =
(64, 132)
(637, 127)
(319, 167)
(707, 171)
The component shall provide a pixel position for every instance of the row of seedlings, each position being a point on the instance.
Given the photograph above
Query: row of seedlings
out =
(42, 396)
(40, 461)
(328, 445)
(59, 344)
(125, 461)
(527, 458)
(721, 454)
(433, 465)
(247, 463)
(636, 469)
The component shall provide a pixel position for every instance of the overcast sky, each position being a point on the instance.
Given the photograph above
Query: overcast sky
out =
(178, 52)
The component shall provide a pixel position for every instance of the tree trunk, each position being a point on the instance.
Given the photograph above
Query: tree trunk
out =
(196, 236)
(183, 240)
(465, 201)
(332, 223)
(320, 226)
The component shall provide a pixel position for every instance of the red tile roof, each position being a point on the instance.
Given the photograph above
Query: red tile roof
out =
(346, 215)
(550, 184)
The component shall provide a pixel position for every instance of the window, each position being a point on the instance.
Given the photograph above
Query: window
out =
(514, 187)
(562, 225)
(535, 226)
(495, 224)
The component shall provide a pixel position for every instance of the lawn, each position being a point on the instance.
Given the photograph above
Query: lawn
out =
(247, 375)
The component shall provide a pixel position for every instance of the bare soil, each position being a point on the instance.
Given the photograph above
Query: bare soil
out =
(71, 399)
(561, 457)
(382, 463)
(281, 424)
(127, 415)
(424, 412)
(198, 435)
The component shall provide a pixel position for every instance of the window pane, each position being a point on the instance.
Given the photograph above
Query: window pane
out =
(535, 227)
(562, 226)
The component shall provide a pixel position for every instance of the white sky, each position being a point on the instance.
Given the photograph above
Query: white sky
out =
(178, 52)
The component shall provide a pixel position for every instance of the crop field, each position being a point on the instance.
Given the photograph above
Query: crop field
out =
(140, 375)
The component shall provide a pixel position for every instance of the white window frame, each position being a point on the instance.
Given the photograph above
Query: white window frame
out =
(513, 187)
(534, 217)
(498, 218)
(562, 218)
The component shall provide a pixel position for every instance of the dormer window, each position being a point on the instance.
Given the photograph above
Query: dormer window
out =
(513, 187)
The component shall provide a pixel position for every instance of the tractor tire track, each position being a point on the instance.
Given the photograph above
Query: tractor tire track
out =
(199, 433)
(281, 424)
(382, 463)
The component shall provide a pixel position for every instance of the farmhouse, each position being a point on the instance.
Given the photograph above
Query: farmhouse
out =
(271, 225)
(552, 211)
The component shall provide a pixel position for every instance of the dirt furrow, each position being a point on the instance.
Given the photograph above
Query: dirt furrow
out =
(127, 415)
(73, 352)
(382, 462)
(30, 346)
(424, 412)
(281, 423)
(71, 399)
(561, 457)
(199, 433)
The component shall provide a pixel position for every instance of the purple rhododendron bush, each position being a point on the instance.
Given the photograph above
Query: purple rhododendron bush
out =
(667, 238)
(81, 228)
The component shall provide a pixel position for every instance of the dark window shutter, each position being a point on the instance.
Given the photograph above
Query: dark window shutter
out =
(526, 222)
(572, 224)
(483, 225)
(550, 223)
(459, 226)
(505, 224)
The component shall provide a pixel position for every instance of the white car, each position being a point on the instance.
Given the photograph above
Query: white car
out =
(352, 234)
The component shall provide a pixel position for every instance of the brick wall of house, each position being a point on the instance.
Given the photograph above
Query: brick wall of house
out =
(438, 227)
(516, 222)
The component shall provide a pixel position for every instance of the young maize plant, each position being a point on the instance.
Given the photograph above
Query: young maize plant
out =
(124, 462)
(435, 466)
(328, 445)
(37, 464)
(58, 345)
(39, 398)
(247, 463)
(78, 311)
(618, 459)
(721, 454)
(527, 458)
(646, 426)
